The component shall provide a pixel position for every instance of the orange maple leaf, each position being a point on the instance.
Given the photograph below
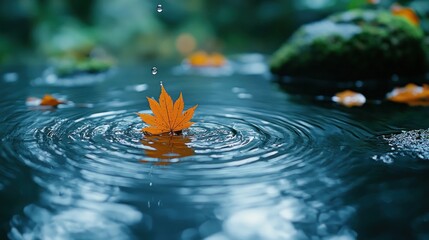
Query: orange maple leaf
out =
(49, 100)
(167, 117)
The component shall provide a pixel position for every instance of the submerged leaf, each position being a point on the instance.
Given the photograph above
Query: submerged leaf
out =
(411, 94)
(168, 116)
(349, 98)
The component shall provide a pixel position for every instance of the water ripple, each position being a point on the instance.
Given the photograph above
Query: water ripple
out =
(236, 145)
(235, 157)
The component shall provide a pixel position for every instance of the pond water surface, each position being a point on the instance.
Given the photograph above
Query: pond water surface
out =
(259, 163)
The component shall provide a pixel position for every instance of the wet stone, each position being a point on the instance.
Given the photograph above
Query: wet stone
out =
(415, 142)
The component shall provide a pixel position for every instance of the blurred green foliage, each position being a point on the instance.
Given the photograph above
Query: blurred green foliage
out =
(133, 29)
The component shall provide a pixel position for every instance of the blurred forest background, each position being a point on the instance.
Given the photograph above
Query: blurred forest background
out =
(132, 30)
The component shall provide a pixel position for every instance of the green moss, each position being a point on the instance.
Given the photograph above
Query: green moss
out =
(358, 44)
(68, 67)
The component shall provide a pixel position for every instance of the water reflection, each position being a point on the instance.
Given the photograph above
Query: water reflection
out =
(81, 221)
(287, 220)
(166, 147)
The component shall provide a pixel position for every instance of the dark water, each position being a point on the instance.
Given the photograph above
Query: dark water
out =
(258, 164)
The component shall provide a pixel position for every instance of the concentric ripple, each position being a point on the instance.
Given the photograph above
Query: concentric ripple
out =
(235, 157)
(109, 146)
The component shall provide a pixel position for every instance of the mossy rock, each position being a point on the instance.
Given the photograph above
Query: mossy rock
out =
(70, 67)
(354, 45)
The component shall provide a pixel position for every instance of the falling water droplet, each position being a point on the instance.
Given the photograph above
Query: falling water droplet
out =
(154, 70)
(159, 8)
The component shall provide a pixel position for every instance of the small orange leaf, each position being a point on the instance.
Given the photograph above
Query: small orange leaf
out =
(217, 60)
(198, 59)
(202, 59)
(374, 2)
(405, 12)
(349, 98)
(411, 94)
(168, 116)
(49, 100)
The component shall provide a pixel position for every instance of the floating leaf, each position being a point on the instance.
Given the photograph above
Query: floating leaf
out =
(167, 117)
(217, 60)
(202, 59)
(411, 94)
(167, 147)
(349, 98)
(49, 100)
(407, 13)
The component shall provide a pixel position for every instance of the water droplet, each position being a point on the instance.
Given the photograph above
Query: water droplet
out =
(154, 70)
(159, 8)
